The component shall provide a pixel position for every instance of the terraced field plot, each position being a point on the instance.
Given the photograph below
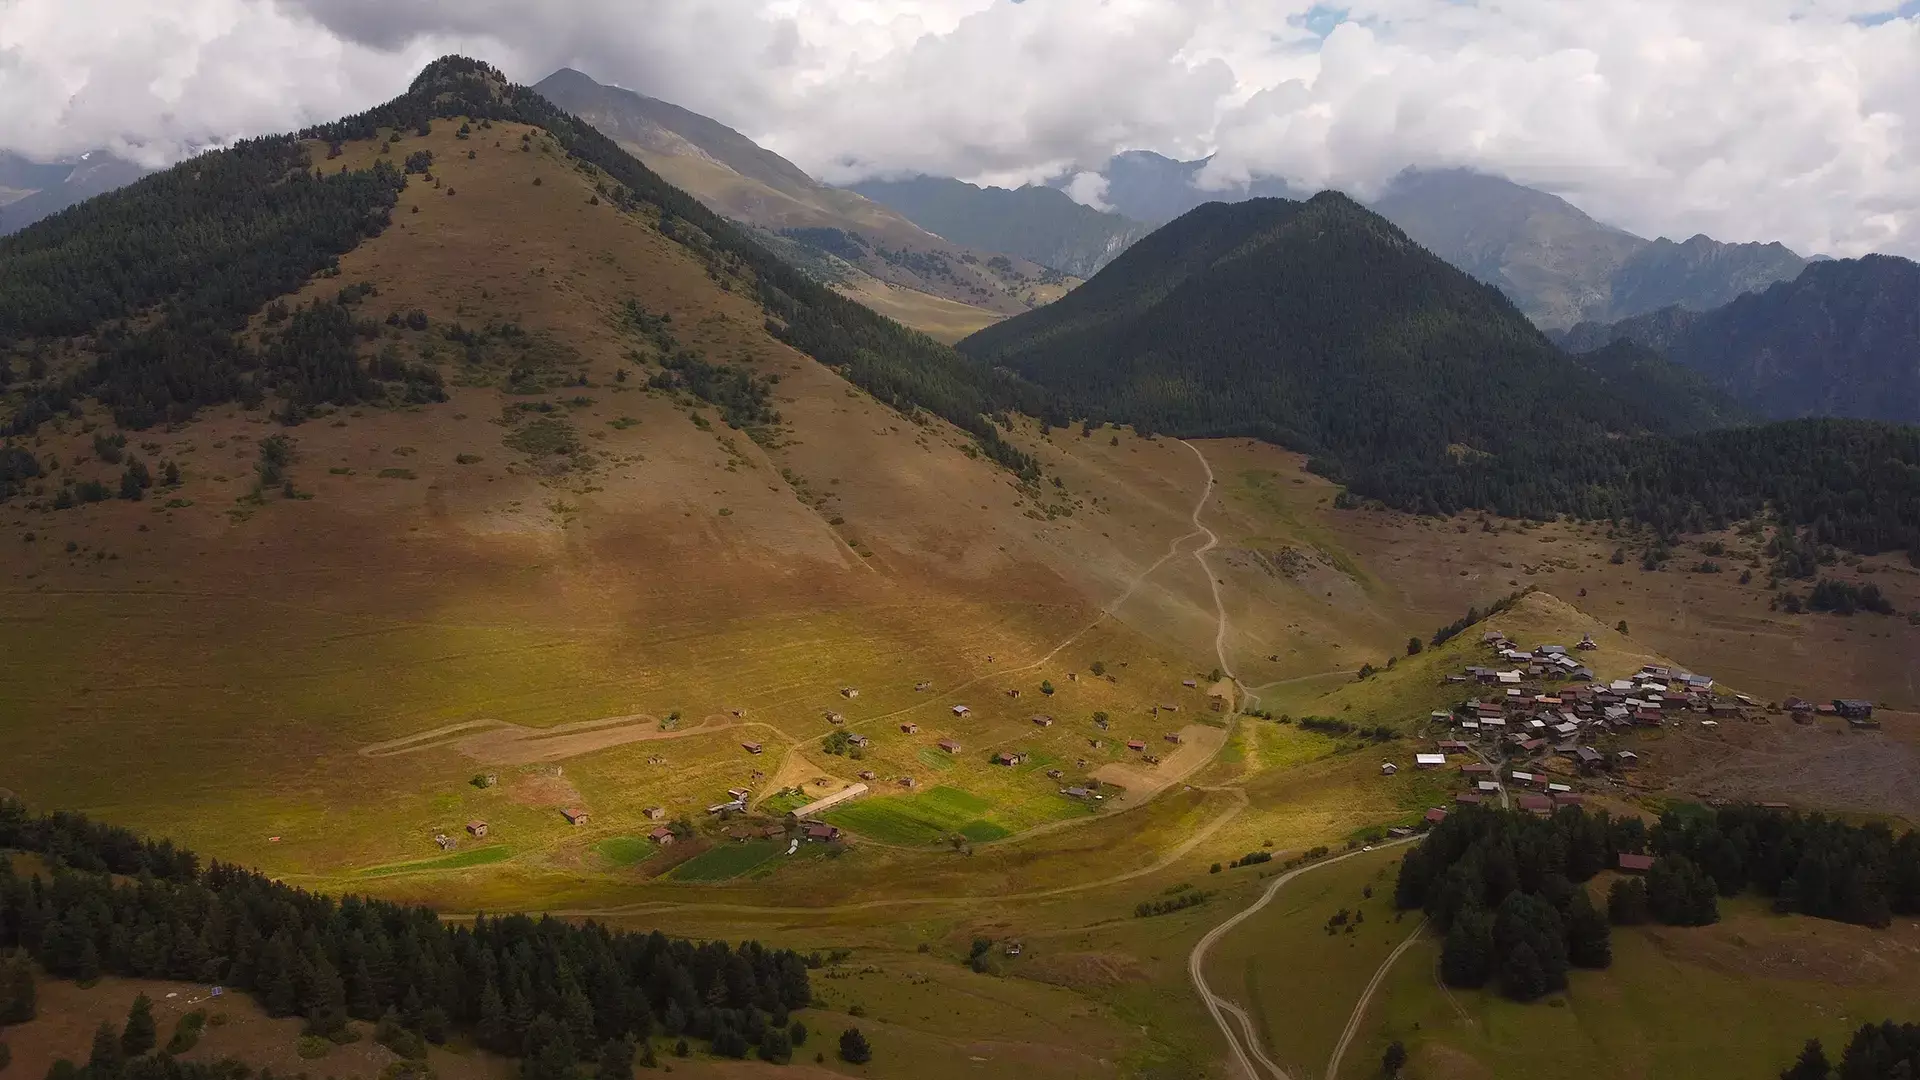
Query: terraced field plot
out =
(728, 861)
(457, 861)
(625, 850)
(926, 818)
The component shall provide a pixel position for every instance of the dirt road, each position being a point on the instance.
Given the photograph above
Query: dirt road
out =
(1246, 1044)
(1247, 700)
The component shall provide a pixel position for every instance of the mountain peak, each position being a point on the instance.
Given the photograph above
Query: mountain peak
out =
(460, 75)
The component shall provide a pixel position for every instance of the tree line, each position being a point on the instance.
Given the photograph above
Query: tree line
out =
(1806, 863)
(1504, 889)
(1496, 880)
(1883, 1051)
(540, 988)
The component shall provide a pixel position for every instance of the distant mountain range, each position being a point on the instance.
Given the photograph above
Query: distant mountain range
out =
(1556, 263)
(31, 190)
(1154, 188)
(1841, 339)
(1321, 326)
(868, 250)
(1561, 266)
(1037, 223)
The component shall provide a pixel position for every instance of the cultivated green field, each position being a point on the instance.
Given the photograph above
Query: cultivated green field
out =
(625, 850)
(457, 861)
(727, 861)
(925, 818)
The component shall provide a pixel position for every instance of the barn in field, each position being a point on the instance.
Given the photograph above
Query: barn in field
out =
(820, 806)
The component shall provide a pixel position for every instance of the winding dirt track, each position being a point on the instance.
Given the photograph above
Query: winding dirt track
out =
(1245, 1043)
(1366, 996)
(1213, 583)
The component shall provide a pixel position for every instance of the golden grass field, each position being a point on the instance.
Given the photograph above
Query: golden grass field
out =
(309, 685)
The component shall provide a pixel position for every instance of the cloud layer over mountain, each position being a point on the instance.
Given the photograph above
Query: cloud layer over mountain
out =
(1796, 120)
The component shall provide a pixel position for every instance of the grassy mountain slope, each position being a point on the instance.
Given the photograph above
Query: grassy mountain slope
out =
(1561, 266)
(1037, 223)
(1841, 339)
(842, 237)
(538, 451)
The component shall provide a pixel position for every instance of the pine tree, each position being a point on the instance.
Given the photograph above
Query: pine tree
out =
(1589, 938)
(853, 1047)
(1394, 1059)
(86, 969)
(327, 1011)
(18, 996)
(776, 1047)
(550, 1054)
(1521, 976)
(1466, 959)
(361, 1001)
(140, 1034)
(107, 1062)
(1812, 1064)
(1627, 902)
(491, 1030)
(616, 1060)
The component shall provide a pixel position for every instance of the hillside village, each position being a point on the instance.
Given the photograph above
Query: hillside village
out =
(1549, 728)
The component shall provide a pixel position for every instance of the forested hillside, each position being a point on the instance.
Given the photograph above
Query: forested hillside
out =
(545, 990)
(212, 240)
(1320, 326)
(1842, 339)
(201, 246)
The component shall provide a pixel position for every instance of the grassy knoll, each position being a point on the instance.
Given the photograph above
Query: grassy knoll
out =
(724, 862)
(1416, 685)
(1733, 1000)
(1297, 979)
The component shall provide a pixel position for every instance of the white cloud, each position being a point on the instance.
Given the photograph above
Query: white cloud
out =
(1089, 189)
(1796, 120)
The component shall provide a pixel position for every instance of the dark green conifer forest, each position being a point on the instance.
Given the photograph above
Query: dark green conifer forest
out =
(546, 990)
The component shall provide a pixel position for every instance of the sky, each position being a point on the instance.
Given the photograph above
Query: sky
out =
(1790, 120)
